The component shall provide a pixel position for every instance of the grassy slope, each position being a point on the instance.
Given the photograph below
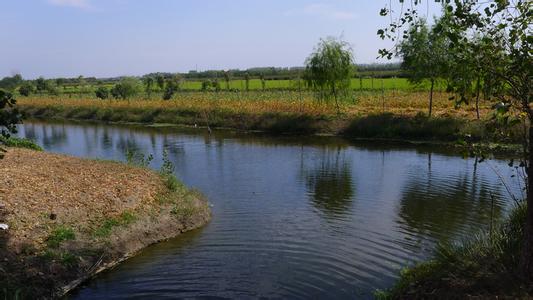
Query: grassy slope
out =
(482, 268)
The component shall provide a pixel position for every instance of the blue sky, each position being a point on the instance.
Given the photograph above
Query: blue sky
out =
(65, 38)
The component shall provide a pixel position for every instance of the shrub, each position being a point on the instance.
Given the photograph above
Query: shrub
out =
(102, 92)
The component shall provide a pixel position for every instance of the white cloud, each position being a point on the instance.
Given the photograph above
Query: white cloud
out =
(323, 10)
(71, 3)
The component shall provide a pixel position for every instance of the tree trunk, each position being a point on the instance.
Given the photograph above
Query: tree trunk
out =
(526, 259)
(478, 87)
(431, 96)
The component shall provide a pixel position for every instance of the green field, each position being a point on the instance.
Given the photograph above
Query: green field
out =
(366, 84)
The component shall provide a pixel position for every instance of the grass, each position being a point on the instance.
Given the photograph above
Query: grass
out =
(484, 267)
(395, 114)
(59, 235)
(20, 143)
(109, 224)
(365, 83)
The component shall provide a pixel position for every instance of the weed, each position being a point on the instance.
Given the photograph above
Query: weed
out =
(107, 226)
(59, 235)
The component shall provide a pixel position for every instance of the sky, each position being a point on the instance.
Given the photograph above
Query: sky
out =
(107, 38)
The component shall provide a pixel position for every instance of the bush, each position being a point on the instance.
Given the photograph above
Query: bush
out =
(102, 93)
(26, 89)
(126, 88)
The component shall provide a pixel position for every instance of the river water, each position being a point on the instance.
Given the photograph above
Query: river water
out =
(311, 217)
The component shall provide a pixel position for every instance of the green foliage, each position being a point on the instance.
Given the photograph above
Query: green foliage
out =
(485, 264)
(11, 83)
(9, 117)
(135, 158)
(20, 143)
(167, 173)
(126, 88)
(172, 86)
(102, 92)
(330, 68)
(109, 224)
(26, 89)
(59, 235)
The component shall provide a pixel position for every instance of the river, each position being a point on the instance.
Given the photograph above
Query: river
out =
(308, 217)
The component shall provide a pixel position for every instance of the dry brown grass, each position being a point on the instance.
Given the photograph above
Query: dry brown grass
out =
(396, 102)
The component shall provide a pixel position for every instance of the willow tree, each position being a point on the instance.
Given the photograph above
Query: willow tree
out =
(329, 69)
(504, 29)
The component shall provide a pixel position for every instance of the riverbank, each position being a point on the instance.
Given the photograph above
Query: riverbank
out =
(72, 218)
(403, 119)
(484, 267)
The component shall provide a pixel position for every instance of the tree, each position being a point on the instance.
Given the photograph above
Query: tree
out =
(102, 92)
(504, 29)
(247, 81)
(9, 117)
(11, 83)
(423, 56)
(126, 88)
(172, 86)
(40, 84)
(160, 81)
(329, 69)
(148, 84)
(26, 89)
(227, 77)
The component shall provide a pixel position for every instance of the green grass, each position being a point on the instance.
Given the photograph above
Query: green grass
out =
(59, 235)
(20, 143)
(367, 83)
(109, 224)
(485, 267)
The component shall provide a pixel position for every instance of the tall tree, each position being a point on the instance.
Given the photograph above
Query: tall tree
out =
(424, 56)
(330, 68)
(504, 27)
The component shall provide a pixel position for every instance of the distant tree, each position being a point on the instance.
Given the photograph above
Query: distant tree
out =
(172, 86)
(247, 81)
(227, 78)
(11, 83)
(160, 81)
(148, 84)
(424, 55)
(126, 88)
(40, 84)
(102, 92)
(329, 69)
(26, 89)
(9, 117)
(206, 84)
(263, 82)
(216, 84)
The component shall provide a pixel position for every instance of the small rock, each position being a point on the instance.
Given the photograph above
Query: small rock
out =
(53, 216)
(4, 227)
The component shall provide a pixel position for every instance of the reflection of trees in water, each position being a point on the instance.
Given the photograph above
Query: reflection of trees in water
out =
(53, 135)
(329, 181)
(445, 208)
(106, 139)
(29, 132)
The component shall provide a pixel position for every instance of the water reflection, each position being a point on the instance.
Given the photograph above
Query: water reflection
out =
(328, 178)
(449, 209)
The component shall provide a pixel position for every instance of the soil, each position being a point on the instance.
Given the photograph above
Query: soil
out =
(72, 218)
